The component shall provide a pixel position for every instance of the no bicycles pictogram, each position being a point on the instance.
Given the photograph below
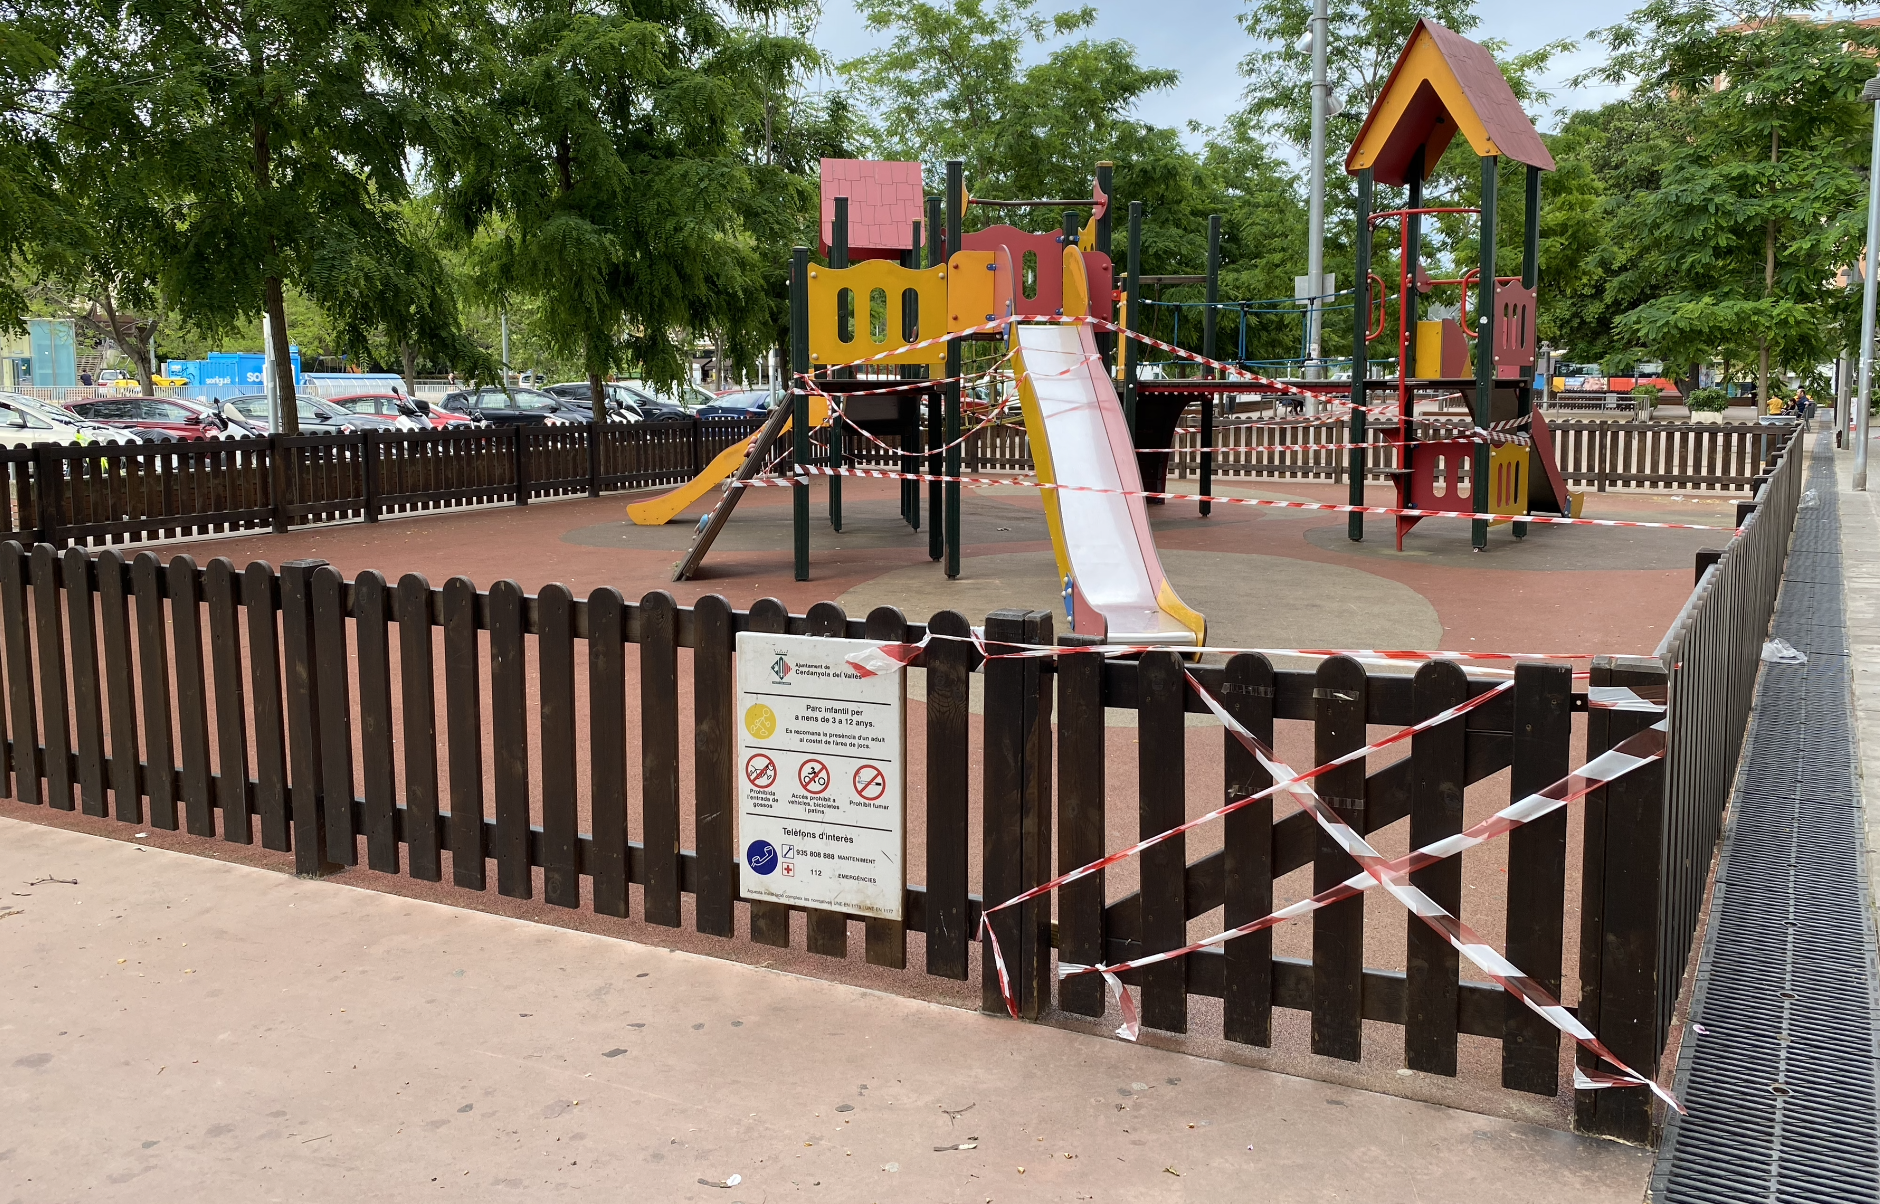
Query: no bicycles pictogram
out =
(813, 776)
(870, 783)
(760, 771)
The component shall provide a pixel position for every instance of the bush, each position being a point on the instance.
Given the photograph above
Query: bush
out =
(1647, 394)
(1707, 401)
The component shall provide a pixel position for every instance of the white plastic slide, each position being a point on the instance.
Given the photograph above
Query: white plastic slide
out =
(1113, 579)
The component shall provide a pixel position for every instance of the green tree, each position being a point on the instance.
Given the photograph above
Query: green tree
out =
(610, 140)
(1761, 197)
(277, 135)
(953, 85)
(34, 37)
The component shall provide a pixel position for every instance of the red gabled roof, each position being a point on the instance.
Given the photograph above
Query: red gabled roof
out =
(1491, 118)
(885, 200)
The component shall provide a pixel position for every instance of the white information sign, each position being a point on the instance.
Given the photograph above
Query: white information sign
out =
(822, 811)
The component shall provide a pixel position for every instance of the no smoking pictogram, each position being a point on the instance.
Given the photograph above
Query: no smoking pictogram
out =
(760, 771)
(813, 776)
(870, 783)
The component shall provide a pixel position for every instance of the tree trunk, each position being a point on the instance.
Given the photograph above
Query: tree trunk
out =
(410, 356)
(139, 348)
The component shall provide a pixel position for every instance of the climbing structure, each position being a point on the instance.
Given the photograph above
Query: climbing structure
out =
(1503, 462)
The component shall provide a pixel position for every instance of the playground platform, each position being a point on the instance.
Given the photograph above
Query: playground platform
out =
(180, 1028)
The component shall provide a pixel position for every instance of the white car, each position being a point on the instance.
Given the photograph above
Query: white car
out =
(23, 426)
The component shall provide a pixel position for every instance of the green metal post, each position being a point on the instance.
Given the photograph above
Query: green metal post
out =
(839, 259)
(1530, 278)
(1360, 358)
(956, 216)
(936, 494)
(799, 404)
(1484, 354)
(1133, 291)
(1207, 349)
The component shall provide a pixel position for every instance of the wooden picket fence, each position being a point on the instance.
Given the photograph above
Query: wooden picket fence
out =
(1651, 456)
(432, 731)
(113, 493)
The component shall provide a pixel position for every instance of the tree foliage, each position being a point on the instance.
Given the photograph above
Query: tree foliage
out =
(608, 143)
(1760, 200)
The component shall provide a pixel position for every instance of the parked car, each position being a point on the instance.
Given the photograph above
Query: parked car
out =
(750, 403)
(21, 426)
(623, 404)
(516, 407)
(60, 416)
(317, 417)
(393, 406)
(653, 407)
(164, 419)
(686, 395)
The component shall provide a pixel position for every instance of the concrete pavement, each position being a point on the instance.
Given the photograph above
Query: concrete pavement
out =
(174, 1027)
(1860, 571)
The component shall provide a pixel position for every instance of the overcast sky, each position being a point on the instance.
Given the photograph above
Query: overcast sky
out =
(1202, 40)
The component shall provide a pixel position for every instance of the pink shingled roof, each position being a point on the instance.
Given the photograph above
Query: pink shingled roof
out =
(885, 200)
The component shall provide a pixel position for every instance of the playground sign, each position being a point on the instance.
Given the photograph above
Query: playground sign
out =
(822, 811)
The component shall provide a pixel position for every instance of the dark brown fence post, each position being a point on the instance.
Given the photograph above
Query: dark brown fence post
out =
(1338, 704)
(1439, 777)
(1247, 1008)
(596, 431)
(369, 472)
(54, 708)
(1537, 872)
(885, 941)
(49, 473)
(659, 755)
(280, 482)
(1161, 795)
(1081, 809)
(24, 731)
(519, 454)
(714, 759)
(949, 671)
(305, 802)
(1620, 910)
(1017, 824)
(87, 696)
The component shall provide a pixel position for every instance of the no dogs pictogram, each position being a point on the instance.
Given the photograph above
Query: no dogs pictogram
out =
(870, 783)
(760, 771)
(813, 776)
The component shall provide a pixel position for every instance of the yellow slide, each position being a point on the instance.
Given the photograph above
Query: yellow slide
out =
(658, 511)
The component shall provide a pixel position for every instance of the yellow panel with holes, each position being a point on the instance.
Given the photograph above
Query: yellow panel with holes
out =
(1508, 469)
(877, 308)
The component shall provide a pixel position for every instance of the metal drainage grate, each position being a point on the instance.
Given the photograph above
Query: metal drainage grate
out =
(1781, 1084)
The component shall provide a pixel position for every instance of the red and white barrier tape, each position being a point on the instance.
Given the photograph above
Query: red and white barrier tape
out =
(1460, 936)
(887, 658)
(1607, 767)
(1271, 503)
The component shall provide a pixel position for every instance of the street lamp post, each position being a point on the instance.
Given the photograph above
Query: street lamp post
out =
(1315, 251)
(1871, 94)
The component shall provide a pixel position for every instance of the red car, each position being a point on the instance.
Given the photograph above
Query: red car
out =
(163, 416)
(397, 405)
